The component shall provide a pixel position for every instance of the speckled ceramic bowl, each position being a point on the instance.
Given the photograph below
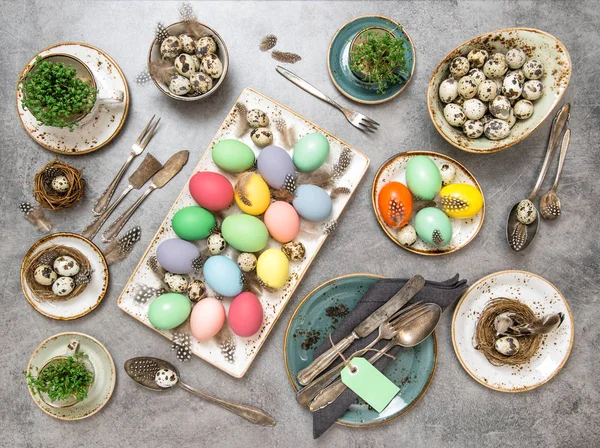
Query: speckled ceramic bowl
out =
(536, 44)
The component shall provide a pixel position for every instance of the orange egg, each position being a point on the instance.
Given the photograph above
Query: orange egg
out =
(395, 204)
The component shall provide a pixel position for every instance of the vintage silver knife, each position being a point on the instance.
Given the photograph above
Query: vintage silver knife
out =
(365, 328)
(160, 179)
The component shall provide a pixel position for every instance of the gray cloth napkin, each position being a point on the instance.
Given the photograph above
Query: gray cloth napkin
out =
(444, 294)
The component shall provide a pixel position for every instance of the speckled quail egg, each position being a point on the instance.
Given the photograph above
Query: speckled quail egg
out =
(486, 119)
(216, 244)
(526, 212)
(257, 118)
(518, 73)
(188, 44)
(459, 67)
(201, 82)
(500, 107)
(407, 235)
(511, 87)
(532, 90)
(165, 378)
(474, 109)
(448, 90)
(477, 75)
(487, 90)
(499, 85)
(246, 261)
(496, 129)
(477, 57)
(459, 101)
(294, 250)
(185, 65)
(60, 184)
(66, 266)
(176, 282)
(507, 346)
(196, 290)
(44, 275)
(495, 66)
(179, 85)
(171, 47)
(533, 69)
(467, 87)
(261, 137)
(515, 58)
(473, 128)
(211, 65)
(523, 109)
(454, 115)
(448, 173)
(205, 45)
(63, 286)
(512, 120)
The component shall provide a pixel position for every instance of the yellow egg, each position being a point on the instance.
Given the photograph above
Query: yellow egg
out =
(252, 194)
(461, 200)
(273, 268)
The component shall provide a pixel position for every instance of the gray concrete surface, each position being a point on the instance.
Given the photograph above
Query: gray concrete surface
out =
(456, 411)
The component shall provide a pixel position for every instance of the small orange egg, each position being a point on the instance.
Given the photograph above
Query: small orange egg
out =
(395, 204)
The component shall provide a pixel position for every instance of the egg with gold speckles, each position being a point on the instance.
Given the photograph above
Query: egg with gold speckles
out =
(461, 200)
(433, 226)
(423, 177)
(310, 152)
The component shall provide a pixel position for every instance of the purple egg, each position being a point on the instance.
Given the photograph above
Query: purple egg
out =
(176, 255)
(274, 164)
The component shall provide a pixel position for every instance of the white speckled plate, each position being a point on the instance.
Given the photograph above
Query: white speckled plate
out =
(543, 298)
(463, 230)
(96, 131)
(226, 351)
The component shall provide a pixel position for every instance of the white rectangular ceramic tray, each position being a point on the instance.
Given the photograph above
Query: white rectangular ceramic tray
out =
(226, 351)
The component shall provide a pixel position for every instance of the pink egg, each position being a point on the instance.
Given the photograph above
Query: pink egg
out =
(245, 314)
(282, 221)
(213, 191)
(207, 318)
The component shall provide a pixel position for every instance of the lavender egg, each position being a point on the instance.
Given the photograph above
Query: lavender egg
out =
(275, 166)
(312, 202)
(176, 256)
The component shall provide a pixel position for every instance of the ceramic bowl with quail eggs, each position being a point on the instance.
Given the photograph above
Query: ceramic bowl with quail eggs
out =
(493, 91)
(188, 64)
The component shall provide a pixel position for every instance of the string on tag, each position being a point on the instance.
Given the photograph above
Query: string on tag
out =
(347, 362)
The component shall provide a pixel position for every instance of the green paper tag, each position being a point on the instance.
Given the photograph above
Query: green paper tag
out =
(369, 384)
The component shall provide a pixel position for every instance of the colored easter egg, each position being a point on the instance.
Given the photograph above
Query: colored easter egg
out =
(245, 315)
(252, 194)
(276, 166)
(461, 200)
(223, 275)
(312, 202)
(245, 233)
(423, 177)
(282, 221)
(169, 311)
(310, 152)
(395, 204)
(213, 191)
(433, 226)
(177, 256)
(193, 223)
(233, 156)
(207, 318)
(273, 268)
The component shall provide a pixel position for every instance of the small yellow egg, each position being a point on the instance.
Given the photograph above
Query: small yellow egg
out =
(461, 200)
(252, 194)
(273, 268)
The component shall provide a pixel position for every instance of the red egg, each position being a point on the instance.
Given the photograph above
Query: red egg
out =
(395, 204)
(245, 314)
(213, 191)
(282, 221)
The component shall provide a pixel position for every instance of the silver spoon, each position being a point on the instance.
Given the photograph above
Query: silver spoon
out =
(518, 233)
(549, 203)
(157, 374)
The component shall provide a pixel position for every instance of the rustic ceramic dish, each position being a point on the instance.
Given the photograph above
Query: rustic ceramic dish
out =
(536, 44)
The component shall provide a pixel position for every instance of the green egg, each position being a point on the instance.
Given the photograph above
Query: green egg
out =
(423, 177)
(433, 226)
(169, 311)
(310, 152)
(233, 156)
(193, 223)
(245, 233)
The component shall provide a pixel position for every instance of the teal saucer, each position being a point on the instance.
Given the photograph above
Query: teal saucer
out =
(338, 61)
(320, 312)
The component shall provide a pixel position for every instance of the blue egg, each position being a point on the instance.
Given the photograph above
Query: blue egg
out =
(312, 203)
(176, 255)
(223, 275)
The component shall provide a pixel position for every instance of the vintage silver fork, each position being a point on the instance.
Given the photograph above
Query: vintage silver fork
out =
(356, 119)
(137, 148)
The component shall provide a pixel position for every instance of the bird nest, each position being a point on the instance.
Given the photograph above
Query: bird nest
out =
(485, 333)
(47, 256)
(51, 199)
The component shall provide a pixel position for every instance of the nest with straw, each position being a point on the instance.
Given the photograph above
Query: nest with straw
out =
(47, 256)
(51, 199)
(485, 333)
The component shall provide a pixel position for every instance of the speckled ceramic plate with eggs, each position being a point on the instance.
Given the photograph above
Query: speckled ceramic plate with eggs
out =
(231, 353)
(543, 298)
(463, 230)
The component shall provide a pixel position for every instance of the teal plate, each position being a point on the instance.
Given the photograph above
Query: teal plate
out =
(338, 61)
(320, 312)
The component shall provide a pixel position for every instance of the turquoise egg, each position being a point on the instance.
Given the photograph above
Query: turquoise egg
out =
(310, 152)
(245, 233)
(223, 275)
(423, 177)
(169, 311)
(233, 156)
(312, 202)
(433, 226)
(193, 223)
